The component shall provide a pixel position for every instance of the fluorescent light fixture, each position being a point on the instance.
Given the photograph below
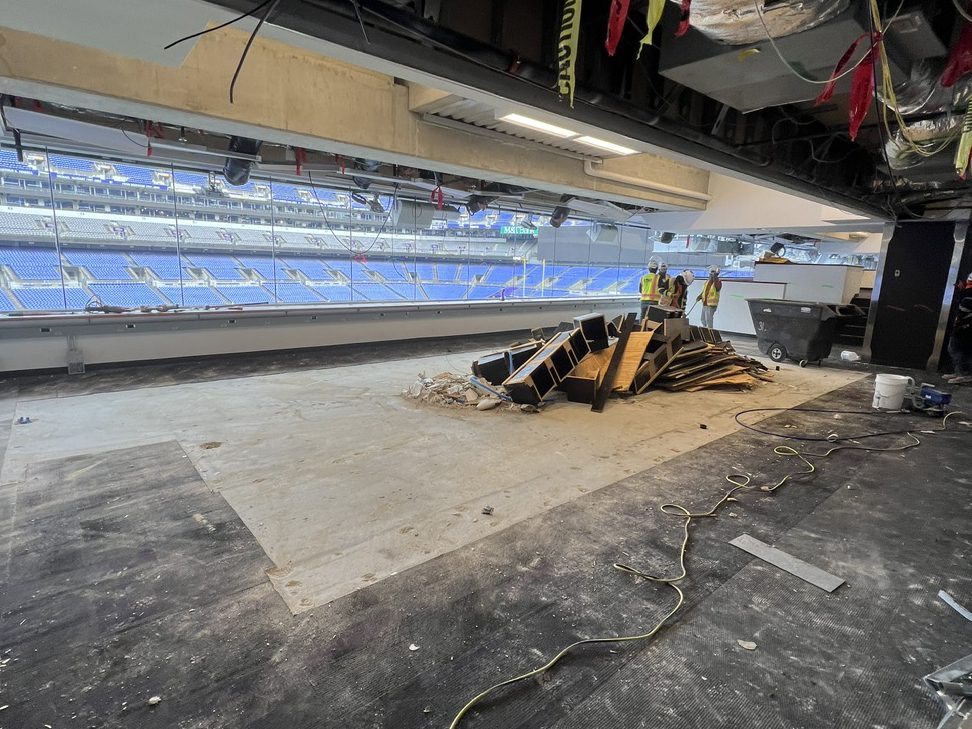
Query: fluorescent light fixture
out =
(605, 145)
(537, 125)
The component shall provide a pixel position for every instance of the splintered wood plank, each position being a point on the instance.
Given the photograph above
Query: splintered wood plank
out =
(600, 399)
(631, 359)
(594, 362)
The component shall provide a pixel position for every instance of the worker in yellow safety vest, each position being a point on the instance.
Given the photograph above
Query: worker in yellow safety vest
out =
(650, 293)
(709, 297)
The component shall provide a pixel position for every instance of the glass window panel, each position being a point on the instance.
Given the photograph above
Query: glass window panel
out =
(30, 257)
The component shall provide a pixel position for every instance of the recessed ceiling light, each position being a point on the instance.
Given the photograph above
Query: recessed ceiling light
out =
(605, 145)
(537, 125)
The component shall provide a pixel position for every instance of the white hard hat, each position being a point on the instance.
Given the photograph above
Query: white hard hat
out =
(713, 269)
(688, 277)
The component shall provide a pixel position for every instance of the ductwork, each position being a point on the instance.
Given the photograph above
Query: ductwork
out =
(736, 22)
(928, 134)
(922, 92)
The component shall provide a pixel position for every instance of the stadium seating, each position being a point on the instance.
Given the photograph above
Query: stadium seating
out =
(126, 294)
(222, 268)
(293, 293)
(163, 265)
(192, 295)
(484, 292)
(449, 272)
(445, 291)
(426, 271)
(5, 303)
(499, 275)
(389, 270)
(374, 292)
(9, 162)
(51, 297)
(103, 265)
(246, 294)
(313, 268)
(32, 263)
(336, 293)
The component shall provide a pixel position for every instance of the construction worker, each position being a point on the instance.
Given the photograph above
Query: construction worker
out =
(960, 342)
(663, 282)
(649, 287)
(678, 289)
(710, 297)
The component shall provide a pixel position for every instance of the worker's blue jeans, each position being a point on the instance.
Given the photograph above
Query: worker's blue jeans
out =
(644, 307)
(960, 349)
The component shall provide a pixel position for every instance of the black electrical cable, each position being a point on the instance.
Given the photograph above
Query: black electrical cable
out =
(247, 14)
(350, 248)
(249, 42)
(833, 438)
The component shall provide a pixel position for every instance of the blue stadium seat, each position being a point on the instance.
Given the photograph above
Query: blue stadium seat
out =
(222, 268)
(445, 291)
(241, 294)
(51, 297)
(5, 303)
(336, 293)
(192, 295)
(164, 265)
(499, 275)
(293, 293)
(425, 271)
(374, 292)
(408, 291)
(484, 292)
(265, 266)
(32, 263)
(607, 277)
(9, 161)
(313, 268)
(447, 272)
(126, 294)
(103, 265)
(390, 270)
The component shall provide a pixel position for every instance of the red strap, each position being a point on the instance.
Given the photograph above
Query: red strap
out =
(683, 21)
(828, 90)
(616, 17)
(300, 157)
(340, 162)
(959, 58)
(438, 198)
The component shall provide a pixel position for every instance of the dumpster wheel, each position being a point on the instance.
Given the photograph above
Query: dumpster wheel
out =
(777, 352)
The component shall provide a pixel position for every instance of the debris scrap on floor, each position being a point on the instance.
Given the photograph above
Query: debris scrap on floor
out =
(592, 358)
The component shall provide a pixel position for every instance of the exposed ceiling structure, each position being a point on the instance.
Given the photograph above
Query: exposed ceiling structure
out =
(736, 90)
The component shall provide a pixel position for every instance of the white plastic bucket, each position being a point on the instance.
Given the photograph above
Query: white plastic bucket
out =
(889, 391)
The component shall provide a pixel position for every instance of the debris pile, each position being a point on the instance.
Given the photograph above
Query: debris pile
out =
(452, 390)
(590, 359)
(701, 365)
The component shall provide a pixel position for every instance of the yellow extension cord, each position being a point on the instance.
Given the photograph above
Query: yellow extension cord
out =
(739, 483)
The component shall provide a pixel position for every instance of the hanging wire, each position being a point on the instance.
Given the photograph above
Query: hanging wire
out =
(793, 69)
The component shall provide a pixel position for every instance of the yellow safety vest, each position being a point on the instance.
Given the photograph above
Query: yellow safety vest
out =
(649, 287)
(710, 294)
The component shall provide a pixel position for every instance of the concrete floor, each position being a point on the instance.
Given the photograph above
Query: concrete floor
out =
(343, 482)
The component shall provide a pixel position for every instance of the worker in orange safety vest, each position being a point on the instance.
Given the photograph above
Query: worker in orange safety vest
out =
(709, 297)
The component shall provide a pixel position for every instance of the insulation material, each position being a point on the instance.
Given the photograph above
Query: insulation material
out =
(926, 134)
(736, 22)
(921, 92)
